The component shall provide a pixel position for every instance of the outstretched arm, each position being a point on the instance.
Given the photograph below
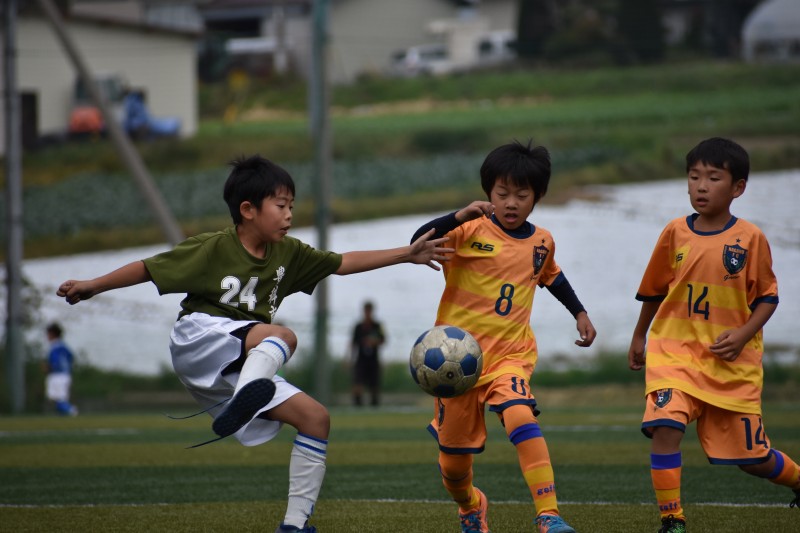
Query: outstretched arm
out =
(638, 342)
(131, 274)
(447, 223)
(422, 251)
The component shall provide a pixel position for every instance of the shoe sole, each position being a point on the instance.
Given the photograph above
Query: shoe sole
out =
(243, 407)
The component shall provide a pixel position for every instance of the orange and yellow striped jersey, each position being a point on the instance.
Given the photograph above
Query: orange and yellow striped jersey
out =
(490, 282)
(707, 283)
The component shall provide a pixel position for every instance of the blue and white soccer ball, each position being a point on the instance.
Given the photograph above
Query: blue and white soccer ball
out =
(446, 361)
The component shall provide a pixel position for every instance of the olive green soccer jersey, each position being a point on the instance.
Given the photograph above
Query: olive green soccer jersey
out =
(221, 278)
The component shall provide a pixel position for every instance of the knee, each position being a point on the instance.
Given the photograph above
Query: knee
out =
(759, 470)
(316, 422)
(453, 466)
(286, 335)
(264, 331)
(520, 423)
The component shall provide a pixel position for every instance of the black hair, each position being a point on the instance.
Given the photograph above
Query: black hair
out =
(54, 329)
(522, 166)
(251, 180)
(721, 153)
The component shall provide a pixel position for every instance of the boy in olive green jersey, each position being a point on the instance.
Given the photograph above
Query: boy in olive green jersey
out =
(225, 348)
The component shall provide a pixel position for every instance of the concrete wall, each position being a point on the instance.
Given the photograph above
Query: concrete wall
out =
(161, 63)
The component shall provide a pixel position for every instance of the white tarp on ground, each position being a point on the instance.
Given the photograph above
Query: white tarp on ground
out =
(603, 247)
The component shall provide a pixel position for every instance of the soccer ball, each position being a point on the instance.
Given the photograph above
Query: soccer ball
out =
(446, 361)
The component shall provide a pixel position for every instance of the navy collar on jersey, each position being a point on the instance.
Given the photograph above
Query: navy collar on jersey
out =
(522, 232)
(690, 222)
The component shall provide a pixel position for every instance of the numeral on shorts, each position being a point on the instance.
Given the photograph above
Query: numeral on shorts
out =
(760, 437)
(518, 386)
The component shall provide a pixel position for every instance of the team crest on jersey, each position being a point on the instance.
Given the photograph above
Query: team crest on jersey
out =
(734, 258)
(539, 257)
(663, 397)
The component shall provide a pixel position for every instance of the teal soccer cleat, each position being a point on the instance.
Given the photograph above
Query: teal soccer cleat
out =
(474, 520)
(548, 523)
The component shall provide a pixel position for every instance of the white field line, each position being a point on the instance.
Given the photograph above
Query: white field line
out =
(393, 500)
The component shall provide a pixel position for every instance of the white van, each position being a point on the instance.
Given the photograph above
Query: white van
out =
(423, 59)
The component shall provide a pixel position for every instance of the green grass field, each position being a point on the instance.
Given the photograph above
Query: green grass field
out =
(131, 472)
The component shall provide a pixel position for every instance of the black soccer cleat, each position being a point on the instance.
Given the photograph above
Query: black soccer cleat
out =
(243, 407)
(671, 524)
(796, 501)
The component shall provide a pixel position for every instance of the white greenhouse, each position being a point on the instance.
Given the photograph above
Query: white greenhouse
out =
(772, 32)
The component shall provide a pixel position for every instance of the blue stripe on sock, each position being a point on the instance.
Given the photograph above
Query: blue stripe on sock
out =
(778, 465)
(665, 461)
(283, 352)
(525, 432)
(307, 442)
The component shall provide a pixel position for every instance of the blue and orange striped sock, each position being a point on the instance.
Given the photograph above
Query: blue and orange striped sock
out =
(665, 470)
(786, 471)
(534, 457)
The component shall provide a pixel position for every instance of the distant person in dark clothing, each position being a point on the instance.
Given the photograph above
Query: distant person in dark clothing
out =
(368, 336)
(59, 371)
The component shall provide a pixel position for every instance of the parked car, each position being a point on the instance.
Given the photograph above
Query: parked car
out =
(423, 59)
(492, 49)
(497, 48)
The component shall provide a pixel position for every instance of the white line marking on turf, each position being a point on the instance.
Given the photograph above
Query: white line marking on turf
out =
(51, 432)
(568, 502)
(388, 500)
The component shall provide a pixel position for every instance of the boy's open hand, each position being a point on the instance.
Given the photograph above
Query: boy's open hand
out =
(474, 210)
(75, 291)
(424, 251)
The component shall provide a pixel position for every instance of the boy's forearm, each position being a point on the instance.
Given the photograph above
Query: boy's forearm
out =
(646, 316)
(759, 318)
(131, 274)
(441, 225)
(354, 262)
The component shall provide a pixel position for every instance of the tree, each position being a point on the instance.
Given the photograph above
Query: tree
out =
(535, 25)
(640, 30)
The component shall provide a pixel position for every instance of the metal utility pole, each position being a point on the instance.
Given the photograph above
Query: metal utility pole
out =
(15, 348)
(169, 226)
(320, 131)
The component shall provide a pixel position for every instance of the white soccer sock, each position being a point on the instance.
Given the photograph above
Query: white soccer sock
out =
(263, 361)
(306, 472)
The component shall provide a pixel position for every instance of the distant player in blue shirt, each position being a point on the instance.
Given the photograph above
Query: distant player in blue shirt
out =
(59, 371)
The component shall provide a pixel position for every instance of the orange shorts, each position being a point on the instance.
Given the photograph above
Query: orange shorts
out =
(459, 424)
(727, 437)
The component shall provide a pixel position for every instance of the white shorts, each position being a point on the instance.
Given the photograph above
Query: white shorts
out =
(202, 346)
(57, 386)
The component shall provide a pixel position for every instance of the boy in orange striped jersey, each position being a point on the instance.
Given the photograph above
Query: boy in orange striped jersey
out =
(499, 260)
(707, 291)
